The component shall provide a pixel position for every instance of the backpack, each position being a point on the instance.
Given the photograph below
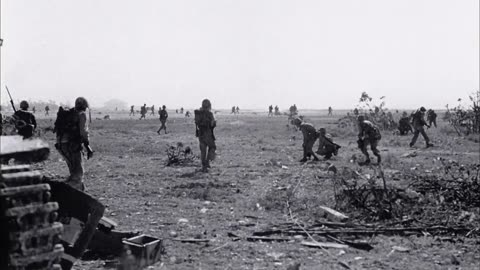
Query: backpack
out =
(67, 122)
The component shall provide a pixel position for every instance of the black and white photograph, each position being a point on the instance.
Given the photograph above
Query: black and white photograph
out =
(239, 134)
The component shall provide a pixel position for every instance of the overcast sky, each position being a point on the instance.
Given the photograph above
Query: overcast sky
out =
(250, 53)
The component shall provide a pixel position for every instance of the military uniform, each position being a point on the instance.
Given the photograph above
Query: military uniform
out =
(205, 123)
(368, 134)
(326, 146)
(132, 111)
(143, 111)
(69, 144)
(270, 110)
(432, 118)
(309, 137)
(163, 119)
(25, 122)
(418, 124)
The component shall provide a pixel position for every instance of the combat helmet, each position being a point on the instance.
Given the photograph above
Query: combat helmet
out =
(206, 104)
(24, 105)
(361, 118)
(81, 104)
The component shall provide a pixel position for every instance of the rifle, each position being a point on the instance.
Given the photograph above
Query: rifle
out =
(11, 100)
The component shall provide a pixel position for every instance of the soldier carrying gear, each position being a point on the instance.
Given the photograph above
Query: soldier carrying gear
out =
(163, 119)
(326, 146)
(432, 117)
(143, 111)
(25, 122)
(309, 138)
(418, 123)
(404, 124)
(270, 110)
(71, 127)
(132, 111)
(368, 134)
(204, 124)
(277, 110)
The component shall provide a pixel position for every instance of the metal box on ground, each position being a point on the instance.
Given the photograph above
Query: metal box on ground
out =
(147, 250)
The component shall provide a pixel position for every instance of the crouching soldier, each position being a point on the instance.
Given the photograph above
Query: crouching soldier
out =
(368, 134)
(326, 146)
(309, 137)
(205, 123)
(71, 127)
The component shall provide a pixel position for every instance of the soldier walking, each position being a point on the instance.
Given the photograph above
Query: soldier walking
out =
(143, 112)
(418, 124)
(309, 137)
(153, 110)
(368, 133)
(330, 110)
(46, 110)
(270, 111)
(33, 110)
(132, 111)
(205, 123)
(163, 119)
(431, 117)
(71, 127)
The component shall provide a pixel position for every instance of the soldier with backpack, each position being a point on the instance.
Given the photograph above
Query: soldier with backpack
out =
(368, 133)
(418, 120)
(71, 127)
(204, 124)
(25, 122)
(309, 137)
(163, 119)
(432, 118)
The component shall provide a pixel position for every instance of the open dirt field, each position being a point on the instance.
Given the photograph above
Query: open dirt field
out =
(256, 182)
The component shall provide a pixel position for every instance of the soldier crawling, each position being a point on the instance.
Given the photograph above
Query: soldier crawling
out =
(309, 138)
(368, 133)
(71, 127)
(25, 122)
(205, 123)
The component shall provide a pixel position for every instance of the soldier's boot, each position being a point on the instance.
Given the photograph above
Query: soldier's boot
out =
(303, 159)
(429, 145)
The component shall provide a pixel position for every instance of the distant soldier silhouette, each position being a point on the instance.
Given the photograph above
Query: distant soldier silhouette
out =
(309, 137)
(153, 110)
(270, 111)
(277, 110)
(132, 111)
(163, 119)
(326, 146)
(233, 110)
(368, 133)
(181, 110)
(237, 110)
(355, 112)
(205, 123)
(330, 110)
(46, 110)
(33, 110)
(143, 111)
(25, 122)
(431, 117)
(418, 123)
(187, 114)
